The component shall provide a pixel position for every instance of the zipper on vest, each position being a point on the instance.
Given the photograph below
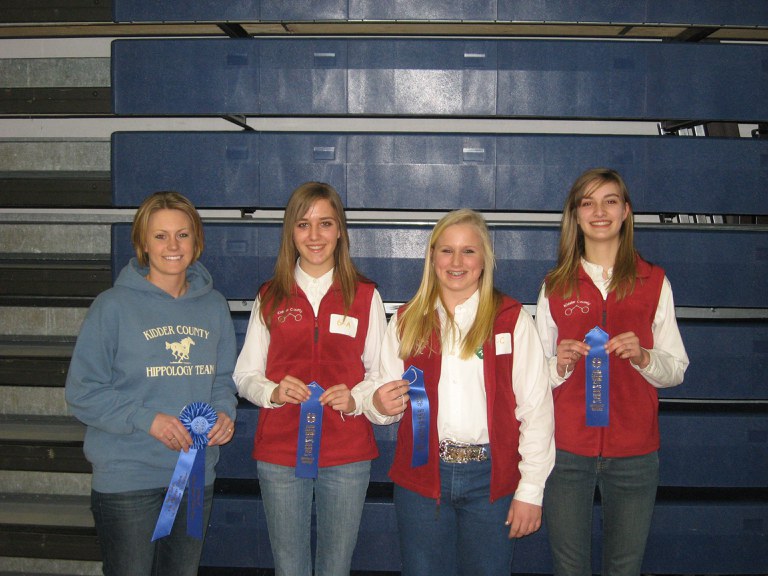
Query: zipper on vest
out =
(605, 326)
(317, 330)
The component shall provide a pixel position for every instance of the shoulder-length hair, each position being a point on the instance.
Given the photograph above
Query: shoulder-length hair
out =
(345, 274)
(164, 200)
(562, 279)
(418, 321)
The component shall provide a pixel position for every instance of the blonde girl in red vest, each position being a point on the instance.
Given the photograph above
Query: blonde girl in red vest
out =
(484, 445)
(607, 433)
(318, 322)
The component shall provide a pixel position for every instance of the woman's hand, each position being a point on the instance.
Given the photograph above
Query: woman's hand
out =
(290, 390)
(523, 518)
(392, 398)
(171, 432)
(339, 397)
(568, 353)
(627, 346)
(223, 431)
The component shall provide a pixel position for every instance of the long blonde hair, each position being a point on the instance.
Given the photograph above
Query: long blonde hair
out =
(419, 321)
(345, 273)
(562, 279)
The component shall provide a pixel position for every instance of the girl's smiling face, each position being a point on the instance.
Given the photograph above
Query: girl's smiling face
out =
(458, 261)
(315, 237)
(601, 214)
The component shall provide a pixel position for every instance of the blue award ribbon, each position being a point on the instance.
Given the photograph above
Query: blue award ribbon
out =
(597, 381)
(419, 416)
(198, 418)
(310, 430)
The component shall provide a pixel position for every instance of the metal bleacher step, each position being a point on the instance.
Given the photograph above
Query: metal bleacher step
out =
(31, 510)
(47, 526)
(51, 444)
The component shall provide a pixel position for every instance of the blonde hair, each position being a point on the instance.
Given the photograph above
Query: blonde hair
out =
(562, 279)
(165, 200)
(418, 321)
(283, 281)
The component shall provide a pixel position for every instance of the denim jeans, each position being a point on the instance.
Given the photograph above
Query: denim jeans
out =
(125, 522)
(627, 494)
(339, 494)
(461, 534)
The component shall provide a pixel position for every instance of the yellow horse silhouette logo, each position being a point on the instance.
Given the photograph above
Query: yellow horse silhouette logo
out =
(180, 350)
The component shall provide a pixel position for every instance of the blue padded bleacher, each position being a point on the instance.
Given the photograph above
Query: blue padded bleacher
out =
(716, 449)
(515, 172)
(685, 536)
(699, 12)
(689, 458)
(441, 77)
(728, 360)
(393, 256)
(699, 449)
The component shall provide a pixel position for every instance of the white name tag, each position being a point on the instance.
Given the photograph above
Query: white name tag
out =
(343, 325)
(503, 343)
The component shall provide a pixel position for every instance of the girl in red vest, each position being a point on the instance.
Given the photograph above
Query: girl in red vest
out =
(317, 321)
(607, 433)
(475, 443)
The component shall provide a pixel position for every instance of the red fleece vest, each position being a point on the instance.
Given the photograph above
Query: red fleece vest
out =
(634, 403)
(328, 350)
(503, 427)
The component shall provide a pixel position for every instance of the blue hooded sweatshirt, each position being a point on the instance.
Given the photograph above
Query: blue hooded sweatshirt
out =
(140, 352)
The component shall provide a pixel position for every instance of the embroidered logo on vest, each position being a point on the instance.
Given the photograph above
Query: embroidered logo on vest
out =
(576, 306)
(294, 314)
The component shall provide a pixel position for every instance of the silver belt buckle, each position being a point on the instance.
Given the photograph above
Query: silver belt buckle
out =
(461, 453)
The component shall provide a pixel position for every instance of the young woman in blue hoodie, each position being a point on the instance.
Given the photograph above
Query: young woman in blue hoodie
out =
(158, 340)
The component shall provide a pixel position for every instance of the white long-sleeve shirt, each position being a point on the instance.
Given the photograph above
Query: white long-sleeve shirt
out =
(462, 414)
(669, 359)
(250, 370)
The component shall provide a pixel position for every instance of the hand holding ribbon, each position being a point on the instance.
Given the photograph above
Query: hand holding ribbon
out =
(198, 418)
(391, 398)
(627, 346)
(339, 397)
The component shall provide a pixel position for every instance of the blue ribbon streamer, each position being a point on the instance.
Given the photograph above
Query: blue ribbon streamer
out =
(310, 430)
(419, 416)
(597, 380)
(198, 418)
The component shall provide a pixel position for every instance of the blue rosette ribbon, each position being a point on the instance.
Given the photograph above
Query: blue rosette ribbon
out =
(198, 418)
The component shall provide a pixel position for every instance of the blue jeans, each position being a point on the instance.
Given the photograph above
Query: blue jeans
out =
(627, 494)
(462, 533)
(125, 522)
(339, 493)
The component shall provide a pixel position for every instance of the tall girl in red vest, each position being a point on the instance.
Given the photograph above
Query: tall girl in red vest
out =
(318, 321)
(607, 432)
(475, 443)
